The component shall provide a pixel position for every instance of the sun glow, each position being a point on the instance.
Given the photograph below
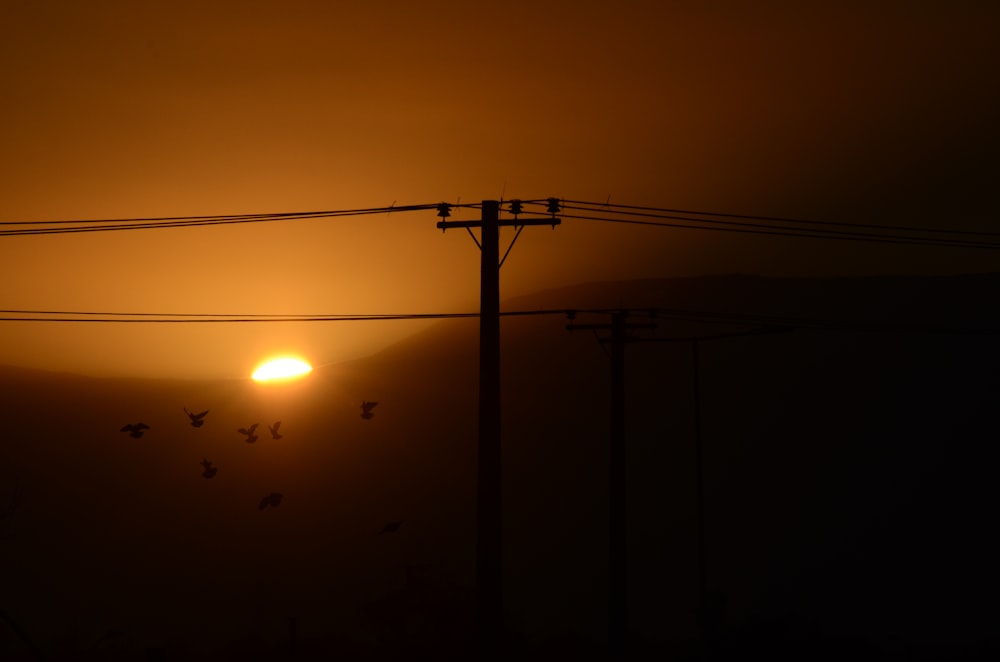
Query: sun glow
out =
(282, 368)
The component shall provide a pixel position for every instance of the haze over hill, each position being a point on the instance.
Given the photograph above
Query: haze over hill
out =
(848, 475)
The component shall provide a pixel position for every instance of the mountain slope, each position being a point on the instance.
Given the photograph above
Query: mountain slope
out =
(838, 464)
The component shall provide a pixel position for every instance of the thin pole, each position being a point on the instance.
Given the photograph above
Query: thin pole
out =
(489, 609)
(617, 549)
(700, 487)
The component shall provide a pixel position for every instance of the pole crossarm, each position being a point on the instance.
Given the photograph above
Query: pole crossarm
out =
(506, 223)
(598, 327)
(740, 334)
(608, 327)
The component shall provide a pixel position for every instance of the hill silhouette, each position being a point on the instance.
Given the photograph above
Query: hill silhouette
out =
(848, 471)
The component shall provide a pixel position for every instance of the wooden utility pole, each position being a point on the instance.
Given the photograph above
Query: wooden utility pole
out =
(489, 487)
(710, 606)
(618, 556)
(704, 612)
(618, 542)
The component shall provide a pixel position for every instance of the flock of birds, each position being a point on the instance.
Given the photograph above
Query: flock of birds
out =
(197, 419)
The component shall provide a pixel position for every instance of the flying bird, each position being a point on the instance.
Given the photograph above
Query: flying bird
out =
(197, 420)
(135, 429)
(391, 527)
(273, 429)
(210, 470)
(249, 432)
(366, 410)
(273, 499)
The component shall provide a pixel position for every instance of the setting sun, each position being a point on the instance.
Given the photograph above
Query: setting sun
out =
(281, 368)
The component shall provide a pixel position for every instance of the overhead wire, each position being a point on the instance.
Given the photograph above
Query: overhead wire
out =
(778, 219)
(76, 226)
(606, 212)
(772, 225)
(362, 210)
(745, 228)
(169, 318)
(707, 317)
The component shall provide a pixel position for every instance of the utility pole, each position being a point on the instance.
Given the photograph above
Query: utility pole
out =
(711, 607)
(617, 544)
(489, 485)
(705, 612)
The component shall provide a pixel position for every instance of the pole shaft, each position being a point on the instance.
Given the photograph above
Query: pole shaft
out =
(699, 468)
(489, 611)
(617, 550)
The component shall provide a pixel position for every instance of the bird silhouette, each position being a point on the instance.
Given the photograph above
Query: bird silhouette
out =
(391, 527)
(273, 499)
(210, 470)
(197, 420)
(249, 432)
(366, 410)
(273, 429)
(135, 430)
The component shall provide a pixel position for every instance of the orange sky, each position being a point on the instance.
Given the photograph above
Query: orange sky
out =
(123, 109)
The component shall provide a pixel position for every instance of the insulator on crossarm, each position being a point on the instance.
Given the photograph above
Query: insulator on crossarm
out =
(444, 211)
(554, 207)
(515, 207)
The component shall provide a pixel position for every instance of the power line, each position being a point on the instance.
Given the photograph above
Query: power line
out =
(771, 225)
(78, 226)
(778, 219)
(127, 318)
(769, 322)
(118, 316)
(157, 218)
(724, 226)
(818, 231)
(263, 215)
(593, 211)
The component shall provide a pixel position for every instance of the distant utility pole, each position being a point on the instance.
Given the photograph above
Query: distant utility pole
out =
(618, 577)
(489, 510)
(711, 607)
